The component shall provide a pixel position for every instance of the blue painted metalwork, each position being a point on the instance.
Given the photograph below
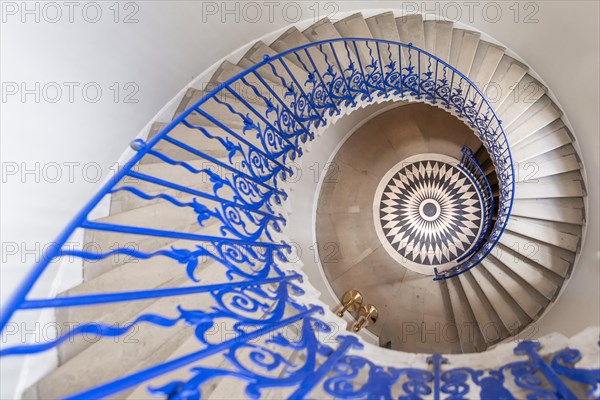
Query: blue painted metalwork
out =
(538, 364)
(382, 382)
(93, 299)
(437, 361)
(246, 203)
(161, 369)
(562, 364)
(472, 168)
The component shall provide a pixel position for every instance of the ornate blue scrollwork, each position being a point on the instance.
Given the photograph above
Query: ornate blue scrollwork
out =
(380, 383)
(457, 384)
(563, 363)
(246, 191)
(317, 92)
(244, 260)
(240, 222)
(259, 366)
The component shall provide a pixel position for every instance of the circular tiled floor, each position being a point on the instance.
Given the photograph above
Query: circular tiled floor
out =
(427, 212)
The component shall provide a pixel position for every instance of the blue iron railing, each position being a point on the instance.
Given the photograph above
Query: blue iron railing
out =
(277, 105)
(471, 167)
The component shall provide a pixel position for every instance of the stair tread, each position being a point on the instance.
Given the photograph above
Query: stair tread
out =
(256, 55)
(491, 326)
(505, 79)
(324, 30)
(539, 278)
(471, 340)
(541, 167)
(197, 138)
(355, 26)
(534, 119)
(522, 97)
(83, 372)
(510, 313)
(552, 137)
(219, 111)
(410, 30)
(463, 49)
(438, 38)
(560, 235)
(487, 57)
(551, 257)
(383, 26)
(522, 295)
(568, 184)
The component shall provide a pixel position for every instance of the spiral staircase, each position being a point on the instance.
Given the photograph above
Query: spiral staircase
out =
(193, 287)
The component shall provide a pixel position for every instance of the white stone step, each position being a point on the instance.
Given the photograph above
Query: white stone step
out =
(294, 38)
(383, 26)
(123, 200)
(256, 55)
(198, 140)
(274, 90)
(524, 96)
(156, 216)
(560, 235)
(510, 313)
(540, 279)
(192, 137)
(543, 166)
(541, 114)
(135, 274)
(190, 345)
(557, 210)
(463, 49)
(323, 30)
(508, 74)
(112, 358)
(355, 26)
(410, 30)
(490, 324)
(564, 185)
(553, 258)
(219, 111)
(438, 38)
(487, 57)
(221, 388)
(470, 336)
(117, 314)
(546, 140)
(180, 175)
(513, 285)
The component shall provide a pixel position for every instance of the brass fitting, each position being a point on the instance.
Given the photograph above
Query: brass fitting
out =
(351, 301)
(367, 315)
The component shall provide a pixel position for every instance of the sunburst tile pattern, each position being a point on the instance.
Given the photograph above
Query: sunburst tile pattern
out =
(428, 212)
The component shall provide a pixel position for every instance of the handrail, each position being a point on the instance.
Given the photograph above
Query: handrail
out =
(471, 166)
(247, 205)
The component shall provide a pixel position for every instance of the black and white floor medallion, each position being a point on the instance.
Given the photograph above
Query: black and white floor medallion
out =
(428, 212)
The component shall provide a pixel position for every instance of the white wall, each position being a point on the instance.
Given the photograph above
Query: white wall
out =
(171, 43)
